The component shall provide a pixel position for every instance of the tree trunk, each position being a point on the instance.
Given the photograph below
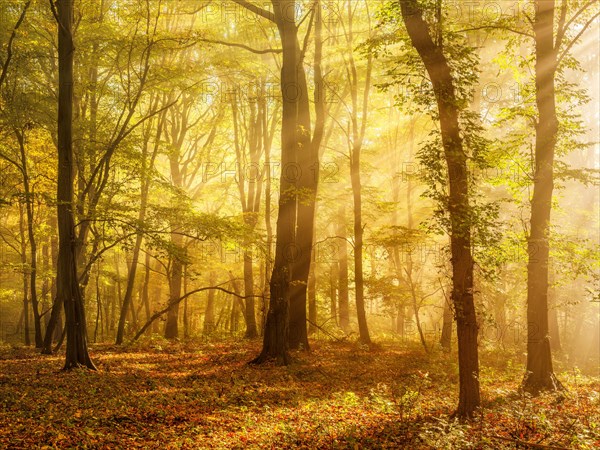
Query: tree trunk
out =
(333, 290)
(25, 277)
(68, 290)
(441, 77)
(359, 289)
(276, 334)
(446, 338)
(540, 373)
(172, 324)
(312, 299)
(343, 302)
(144, 189)
(29, 205)
(209, 316)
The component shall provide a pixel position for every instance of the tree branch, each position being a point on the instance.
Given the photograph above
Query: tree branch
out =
(245, 47)
(10, 42)
(156, 315)
(576, 38)
(256, 10)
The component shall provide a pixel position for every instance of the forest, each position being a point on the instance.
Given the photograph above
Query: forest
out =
(300, 224)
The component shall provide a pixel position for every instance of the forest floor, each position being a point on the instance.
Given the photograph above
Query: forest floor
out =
(205, 395)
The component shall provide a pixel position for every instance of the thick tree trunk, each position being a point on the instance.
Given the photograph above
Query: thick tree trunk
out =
(441, 77)
(540, 373)
(68, 290)
(276, 334)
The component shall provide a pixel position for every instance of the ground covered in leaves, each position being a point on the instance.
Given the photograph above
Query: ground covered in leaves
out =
(205, 395)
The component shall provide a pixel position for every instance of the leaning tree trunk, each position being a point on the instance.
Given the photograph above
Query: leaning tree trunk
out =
(68, 290)
(443, 82)
(540, 374)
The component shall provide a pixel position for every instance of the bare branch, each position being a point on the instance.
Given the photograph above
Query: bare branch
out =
(245, 47)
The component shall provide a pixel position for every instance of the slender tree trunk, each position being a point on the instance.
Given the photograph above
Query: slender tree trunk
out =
(146, 291)
(54, 325)
(333, 290)
(343, 279)
(25, 278)
(312, 299)
(209, 315)
(68, 290)
(359, 289)
(29, 204)
(144, 189)
(441, 77)
(446, 338)
(358, 119)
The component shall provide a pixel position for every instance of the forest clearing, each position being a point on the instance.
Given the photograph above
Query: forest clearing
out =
(300, 224)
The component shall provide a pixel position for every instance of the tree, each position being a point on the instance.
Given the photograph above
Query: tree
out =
(285, 325)
(358, 119)
(550, 50)
(68, 291)
(440, 74)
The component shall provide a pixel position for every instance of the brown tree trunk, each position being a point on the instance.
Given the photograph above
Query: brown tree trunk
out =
(312, 298)
(540, 373)
(441, 77)
(172, 324)
(276, 334)
(446, 338)
(343, 279)
(333, 290)
(359, 289)
(68, 290)
(25, 277)
(29, 207)
(146, 290)
(209, 315)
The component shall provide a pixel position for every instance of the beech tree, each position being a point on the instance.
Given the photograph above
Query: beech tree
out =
(68, 292)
